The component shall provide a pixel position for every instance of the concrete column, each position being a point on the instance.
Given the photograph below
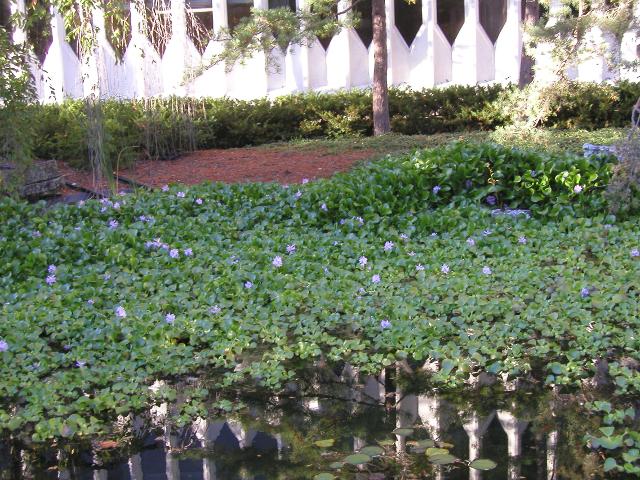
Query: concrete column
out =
(174, 61)
(514, 429)
(476, 427)
(54, 64)
(373, 390)
(508, 51)
(552, 455)
(389, 8)
(339, 56)
(63, 472)
(135, 467)
(422, 56)
(430, 412)
(464, 68)
(406, 416)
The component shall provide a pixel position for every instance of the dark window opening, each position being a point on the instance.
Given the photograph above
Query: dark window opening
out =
(38, 30)
(408, 18)
(450, 15)
(325, 39)
(493, 16)
(237, 10)
(290, 4)
(365, 21)
(5, 15)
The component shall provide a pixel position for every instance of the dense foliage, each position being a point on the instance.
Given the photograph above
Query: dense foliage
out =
(395, 260)
(223, 123)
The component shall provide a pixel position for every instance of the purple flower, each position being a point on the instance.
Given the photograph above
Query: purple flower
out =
(436, 189)
(491, 200)
(215, 309)
(419, 267)
(434, 234)
(522, 240)
(51, 279)
(305, 180)
(4, 346)
(174, 253)
(584, 293)
(323, 207)
(248, 284)
(444, 268)
(199, 201)
(80, 363)
(362, 261)
(36, 234)
(388, 246)
(298, 194)
(180, 194)
(404, 236)
(116, 205)
(291, 248)
(471, 242)
(91, 301)
(468, 184)
(106, 276)
(486, 270)
(412, 253)
(375, 278)
(142, 218)
(52, 269)
(635, 252)
(121, 312)
(188, 252)
(170, 318)
(577, 189)
(165, 188)
(113, 224)
(384, 324)
(277, 261)
(360, 220)
(486, 233)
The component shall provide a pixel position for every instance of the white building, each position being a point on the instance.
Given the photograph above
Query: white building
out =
(431, 42)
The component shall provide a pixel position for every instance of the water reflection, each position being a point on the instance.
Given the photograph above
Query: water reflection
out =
(522, 432)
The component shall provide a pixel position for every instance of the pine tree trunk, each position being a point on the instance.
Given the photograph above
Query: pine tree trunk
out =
(381, 123)
(531, 17)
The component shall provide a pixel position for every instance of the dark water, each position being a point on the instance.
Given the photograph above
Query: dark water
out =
(528, 435)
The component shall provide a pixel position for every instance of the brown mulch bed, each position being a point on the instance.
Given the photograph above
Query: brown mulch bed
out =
(232, 165)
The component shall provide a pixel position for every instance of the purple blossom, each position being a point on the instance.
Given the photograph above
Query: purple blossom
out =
(142, 218)
(215, 309)
(91, 301)
(298, 194)
(419, 267)
(188, 252)
(113, 224)
(388, 246)
(106, 276)
(52, 269)
(491, 200)
(174, 253)
(471, 242)
(180, 194)
(434, 234)
(412, 253)
(522, 240)
(577, 189)
(468, 184)
(36, 234)
(360, 220)
(277, 261)
(4, 346)
(305, 180)
(291, 248)
(404, 236)
(635, 252)
(170, 318)
(384, 324)
(165, 188)
(199, 201)
(375, 278)
(487, 232)
(486, 270)
(121, 312)
(51, 279)
(362, 261)
(116, 205)
(436, 189)
(80, 363)
(445, 268)
(342, 221)
(584, 293)
(248, 284)
(323, 207)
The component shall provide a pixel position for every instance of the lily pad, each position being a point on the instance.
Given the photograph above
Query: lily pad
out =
(325, 443)
(386, 442)
(442, 459)
(403, 432)
(426, 443)
(324, 476)
(372, 450)
(336, 465)
(483, 464)
(436, 451)
(357, 459)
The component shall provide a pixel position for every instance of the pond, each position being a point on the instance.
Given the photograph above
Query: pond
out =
(398, 432)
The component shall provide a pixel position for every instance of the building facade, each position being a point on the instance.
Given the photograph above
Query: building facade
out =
(430, 43)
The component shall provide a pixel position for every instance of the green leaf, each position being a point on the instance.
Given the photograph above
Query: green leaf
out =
(324, 476)
(324, 443)
(357, 459)
(610, 464)
(372, 451)
(442, 459)
(435, 451)
(403, 432)
(483, 464)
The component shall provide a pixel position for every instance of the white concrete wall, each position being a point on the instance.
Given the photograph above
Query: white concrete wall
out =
(347, 63)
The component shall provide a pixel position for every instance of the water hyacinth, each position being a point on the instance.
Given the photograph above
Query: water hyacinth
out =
(180, 194)
(491, 200)
(165, 188)
(214, 310)
(419, 267)
(412, 253)
(199, 201)
(121, 312)
(384, 324)
(635, 252)
(577, 189)
(404, 236)
(174, 253)
(323, 207)
(486, 233)
(362, 261)
(52, 269)
(298, 194)
(471, 242)
(51, 279)
(375, 278)
(291, 248)
(305, 181)
(170, 318)
(436, 189)
(188, 252)
(91, 301)
(248, 284)
(80, 363)
(277, 261)
(486, 270)
(113, 224)
(584, 293)
(522, 240)
(445, 268)
(388, 246)
(4, 346)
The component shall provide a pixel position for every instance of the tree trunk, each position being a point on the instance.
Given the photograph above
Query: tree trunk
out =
(381, 123)
(531, 17)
